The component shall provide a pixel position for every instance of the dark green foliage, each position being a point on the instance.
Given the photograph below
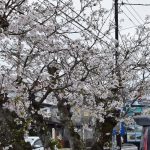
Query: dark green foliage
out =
(12, 132)
(54, 143)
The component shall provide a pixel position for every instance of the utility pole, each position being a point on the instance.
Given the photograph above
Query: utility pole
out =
(116, 32)
(117, 69)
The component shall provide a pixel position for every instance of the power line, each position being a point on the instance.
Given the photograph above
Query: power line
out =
(132, 15)
(109, 15)
(86, 29)
(122, 29)
(123, 3)
(128, 28)
(135, 12)
(129, 18)
(86, 20)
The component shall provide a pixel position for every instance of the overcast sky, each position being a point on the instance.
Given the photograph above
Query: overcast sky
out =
(132, 15)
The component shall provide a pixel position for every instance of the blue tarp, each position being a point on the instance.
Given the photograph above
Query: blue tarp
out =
(122, 128)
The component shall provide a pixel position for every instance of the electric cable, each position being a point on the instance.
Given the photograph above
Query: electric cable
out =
(84, 18)
(132, 15)
(126, 28)
(88, 31)
(104, 35)
(107, 17)
(136, 12)
(137, 4)
(129, 18)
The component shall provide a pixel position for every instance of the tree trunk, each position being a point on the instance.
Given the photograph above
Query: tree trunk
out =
(75, 140)
(103, 133)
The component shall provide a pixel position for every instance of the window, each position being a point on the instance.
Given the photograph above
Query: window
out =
(38, 142)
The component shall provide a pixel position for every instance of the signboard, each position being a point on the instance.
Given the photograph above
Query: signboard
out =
(133, 137)
(134, 133)
(132, 109)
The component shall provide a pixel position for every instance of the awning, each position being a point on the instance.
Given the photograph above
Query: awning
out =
(143, 120)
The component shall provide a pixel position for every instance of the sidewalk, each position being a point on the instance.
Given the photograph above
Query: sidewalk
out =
(129, 147)
(64, 149)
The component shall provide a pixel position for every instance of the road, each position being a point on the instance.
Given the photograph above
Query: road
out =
(129, 147)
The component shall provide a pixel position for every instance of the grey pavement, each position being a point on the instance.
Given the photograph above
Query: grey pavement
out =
(129, 147)
(125, 147)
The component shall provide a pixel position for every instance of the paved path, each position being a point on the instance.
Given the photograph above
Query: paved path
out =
(123, 148)
(70, 149)
(129, 148)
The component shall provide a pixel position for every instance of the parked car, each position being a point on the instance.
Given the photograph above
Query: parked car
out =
(35, 142)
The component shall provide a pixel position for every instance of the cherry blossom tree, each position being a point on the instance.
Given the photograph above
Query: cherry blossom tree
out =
(52, 52)
(42, 62)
